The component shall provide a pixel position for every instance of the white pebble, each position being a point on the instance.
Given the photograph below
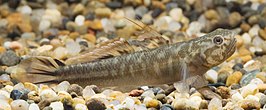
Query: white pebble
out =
(179, 104)
(211, 76)
(25, 10)
(108, 26)
(174, 26)
(251, 97)
(60, 52)
(73, 48)
(79, 20)
(52, 15)
(7, 44)
(34, 106)
(47, 93)
(44, 25)
(254, 30)
(5, 77)
(63, 86)
(215, 104)
(176, 14)
(194, 102)
(44, 48)
(249, 89)
(237, 97)
(140, 107)
(19, 105)
(88, 92)
(4, 105)
(194, 28)
(148, 93)
(129, 102)
(5, 94)
(81, 107)
(57, 106)
(256, 81)
(246, 37)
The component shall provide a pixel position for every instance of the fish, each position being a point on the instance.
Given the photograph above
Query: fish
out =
(165, 64)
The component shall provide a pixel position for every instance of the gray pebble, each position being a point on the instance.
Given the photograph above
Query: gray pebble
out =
(141, 10)
(9, 58)
(263, 100)
(75, 88)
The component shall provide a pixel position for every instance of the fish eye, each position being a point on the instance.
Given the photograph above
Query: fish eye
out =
(218, 40)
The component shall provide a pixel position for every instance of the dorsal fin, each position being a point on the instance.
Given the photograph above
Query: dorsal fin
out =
(148, 38)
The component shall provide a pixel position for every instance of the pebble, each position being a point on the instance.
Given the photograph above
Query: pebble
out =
(60, 53)
(95, 104)
(179, 104)
(19, 105)
(262, 34)
(151, 103)
(234, 19)
(9, 58)
(34, 106)
(63, 86)
(79, 20)
(44, 25)
(246, 38)
(212, 76)
(114, 4)
(263, 100)
(73, 48)
(250, 89)
(234, 78)
(176, 14)
(81, 107)
(47, 93)
(57, 106)
(194, 102)
(76, 89)
(88, 92)
(166, 107)
(250, 104)
(25, 9)
(103, 12)
(245, 27)
(237, 97)
(215, 104)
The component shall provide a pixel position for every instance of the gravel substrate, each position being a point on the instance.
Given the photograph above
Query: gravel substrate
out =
(62, 29)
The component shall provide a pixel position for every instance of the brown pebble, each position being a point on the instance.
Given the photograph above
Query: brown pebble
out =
(211, 14)
(224, 92)
(250, 105)
(239, 40)
(233, 78)
(25, 27)
(262, 34)
(243, 51)
(207, 93)
(95, 104)
(246, 58)
(75, 88)
(15, 45)
(245, 27)
(2, 49)
(135, 93)
(234, 19)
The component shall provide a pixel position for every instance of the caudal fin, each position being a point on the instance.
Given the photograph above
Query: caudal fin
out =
(38, 70)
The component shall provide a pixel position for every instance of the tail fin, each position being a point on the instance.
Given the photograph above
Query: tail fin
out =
(38, 70)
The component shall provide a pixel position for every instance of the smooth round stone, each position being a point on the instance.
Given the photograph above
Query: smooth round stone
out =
(107, 25)
(151, 103)
(156, 12)
(249, 89)
(9, 58)
(88, 92)
(76, 89)
(247, 104)
(234, 19)
(28, 36)
(34, 106)
(19, 105)
(215, 103)
(263, 100)
(57, 106)
(52, 15)
(60, 53)
(194, 28)
(194, 102)
(47, 93)
(3, 23)
(234, 78)
(247, 39)
(254, 30)
(141, 10)
(44, 25)
(252, 97)
(262, 34)
(174, 26)
(212, 76)
(237, 97)
(179, 104)
(4, 94)
(176, 14)
(4, 105)
(147, 19)
(120, 23)
(73, 48)
(78, 9)
(262, 76)
(95, 104)
(114, 4)
(25, 9)
(103, 12)
(5, 77)
(256, 81)
(166, 107)
(63, 86)
(148, 93)
(128, 103)
(81, 107)
(79, 20)
(16, 94)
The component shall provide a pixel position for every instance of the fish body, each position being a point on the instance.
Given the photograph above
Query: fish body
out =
(162, 65)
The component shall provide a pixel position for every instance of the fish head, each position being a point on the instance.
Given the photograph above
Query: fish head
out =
(217, 46)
